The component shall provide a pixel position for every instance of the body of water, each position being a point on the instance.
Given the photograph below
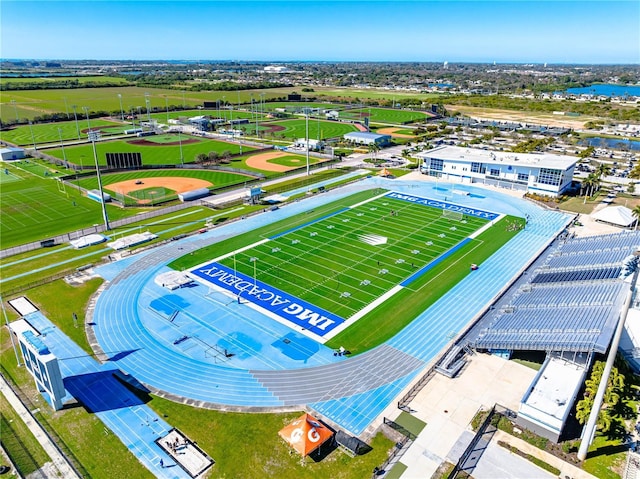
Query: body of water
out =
(612, 143)
(606, 89)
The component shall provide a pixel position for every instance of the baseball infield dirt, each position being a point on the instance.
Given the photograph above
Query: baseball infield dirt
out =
(392, 131)
(261, 161)
(176, 183)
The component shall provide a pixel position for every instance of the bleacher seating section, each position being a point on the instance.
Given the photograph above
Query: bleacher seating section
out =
(571, 302)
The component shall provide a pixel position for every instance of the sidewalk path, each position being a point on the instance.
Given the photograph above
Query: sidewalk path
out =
(59, 460)
(566, 469)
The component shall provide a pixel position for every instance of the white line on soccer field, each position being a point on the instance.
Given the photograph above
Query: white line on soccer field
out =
(370, 307)
(373, 198)
(245, 248)
(485, 227)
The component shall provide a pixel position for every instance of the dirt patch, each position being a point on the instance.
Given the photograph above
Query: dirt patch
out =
(267, 128)
(261, 161)
(547, 119)
(144, 142)
(176, 183)
(392, 131)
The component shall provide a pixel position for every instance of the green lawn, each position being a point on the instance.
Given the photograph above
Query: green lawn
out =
(410, 423)
(151, 154)
(25, 268)
(605, 457)
(48, 132)
(32, 103)
(18, 441)
(347, 92)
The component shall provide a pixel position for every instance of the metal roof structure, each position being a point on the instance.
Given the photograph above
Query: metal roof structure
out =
(570, 300)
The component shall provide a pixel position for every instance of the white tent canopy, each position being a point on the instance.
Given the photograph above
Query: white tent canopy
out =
(615, 215)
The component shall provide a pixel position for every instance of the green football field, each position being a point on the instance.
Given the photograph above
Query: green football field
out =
(345, 261)
(156, 154)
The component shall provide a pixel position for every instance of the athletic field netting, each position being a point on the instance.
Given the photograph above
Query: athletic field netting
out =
(320, 274)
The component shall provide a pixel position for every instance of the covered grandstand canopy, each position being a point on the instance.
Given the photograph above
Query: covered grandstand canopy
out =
(569, 300)
(306, 434)
(88, 240)
(615, 215)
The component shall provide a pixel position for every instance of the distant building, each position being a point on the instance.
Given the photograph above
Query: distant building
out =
(200, 122)
(11, 154)
(541, 173)
(367, 138)
(276, 69)
(332, 115)
(313, 144)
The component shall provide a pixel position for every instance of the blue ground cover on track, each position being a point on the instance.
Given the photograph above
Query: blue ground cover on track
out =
(424, 338)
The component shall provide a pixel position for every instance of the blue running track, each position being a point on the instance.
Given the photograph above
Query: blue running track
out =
(202, 346)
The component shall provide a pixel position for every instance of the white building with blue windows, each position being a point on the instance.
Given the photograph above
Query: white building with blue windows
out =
(541, 173)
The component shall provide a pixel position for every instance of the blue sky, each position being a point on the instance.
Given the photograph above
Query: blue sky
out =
(454, 30)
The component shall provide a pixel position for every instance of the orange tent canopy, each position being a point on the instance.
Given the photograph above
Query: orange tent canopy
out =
(384, 172)
(305, 434)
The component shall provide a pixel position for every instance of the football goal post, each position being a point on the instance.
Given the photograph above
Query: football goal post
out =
(452, 215)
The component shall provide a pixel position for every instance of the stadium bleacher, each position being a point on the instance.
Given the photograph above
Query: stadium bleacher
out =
(570, 301)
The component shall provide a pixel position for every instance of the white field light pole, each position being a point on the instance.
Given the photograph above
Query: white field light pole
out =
(180, 142)
(254, 260)
(166, 105)
(64, 155)
(93, 137)
(33, 138)
(75, 115)
(121, 110)
(590, 427)
(66, 107)
(147, 102)
(86, 112)
(15, 108)
(307, 138)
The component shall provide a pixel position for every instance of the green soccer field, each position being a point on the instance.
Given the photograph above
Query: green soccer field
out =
(33, 208)
(345, 261)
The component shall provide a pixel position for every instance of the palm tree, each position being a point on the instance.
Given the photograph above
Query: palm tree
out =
(374, 148)
(590, 183)
(636, 212)
(603, 170)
